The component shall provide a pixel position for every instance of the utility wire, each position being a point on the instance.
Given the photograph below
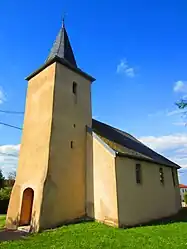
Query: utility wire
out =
(11, 112)
(12, 126)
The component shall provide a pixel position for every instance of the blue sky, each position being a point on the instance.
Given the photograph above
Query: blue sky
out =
(135, 49)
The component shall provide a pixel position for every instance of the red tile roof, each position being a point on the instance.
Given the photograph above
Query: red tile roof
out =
(182, 186)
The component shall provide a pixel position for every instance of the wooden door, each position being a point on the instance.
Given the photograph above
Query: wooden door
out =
(26, 209)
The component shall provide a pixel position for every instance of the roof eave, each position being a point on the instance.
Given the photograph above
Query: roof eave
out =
(63, 62)
(106, 146)
(146, 159)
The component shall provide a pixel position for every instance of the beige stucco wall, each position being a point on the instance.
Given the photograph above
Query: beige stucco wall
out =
(64, 194)
(89, 176)
(104, 178)
(138, 203)
(34, 151)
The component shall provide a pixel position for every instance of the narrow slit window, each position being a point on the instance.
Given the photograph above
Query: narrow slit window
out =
(71, 145)
(161, 173)
(173, 176)
(138, 174)
(75, 88)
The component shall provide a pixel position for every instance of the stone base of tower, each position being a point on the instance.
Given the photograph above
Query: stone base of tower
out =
(13, 214)
(24, 207)
(43, 206)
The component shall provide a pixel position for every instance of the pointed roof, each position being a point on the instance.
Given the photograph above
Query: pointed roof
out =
(62, 53)
(62, 48)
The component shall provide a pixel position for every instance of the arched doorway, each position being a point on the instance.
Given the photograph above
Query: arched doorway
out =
(26, 208)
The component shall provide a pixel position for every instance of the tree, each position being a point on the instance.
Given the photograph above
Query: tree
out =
(185, 198)
(1, 179)
(12, 175)
(182, 104)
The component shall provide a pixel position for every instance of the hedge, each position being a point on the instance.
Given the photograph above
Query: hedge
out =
(3, 206)
(4, 199)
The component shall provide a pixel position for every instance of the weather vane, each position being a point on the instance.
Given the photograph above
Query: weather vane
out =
(63, 18)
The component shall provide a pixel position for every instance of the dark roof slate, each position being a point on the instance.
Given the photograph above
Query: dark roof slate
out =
(131, 143)
(62, 53)
(62, 48)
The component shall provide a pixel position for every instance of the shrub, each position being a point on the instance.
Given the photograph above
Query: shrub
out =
(4, 206)
(5, 193)
(185, 198)
(1, 179)
(4, 199)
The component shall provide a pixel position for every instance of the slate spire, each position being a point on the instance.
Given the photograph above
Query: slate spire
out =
(62, 48)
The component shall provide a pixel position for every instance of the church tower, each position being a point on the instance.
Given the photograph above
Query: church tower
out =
(50, 185)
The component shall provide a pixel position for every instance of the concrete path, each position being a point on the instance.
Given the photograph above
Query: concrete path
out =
(6, 235)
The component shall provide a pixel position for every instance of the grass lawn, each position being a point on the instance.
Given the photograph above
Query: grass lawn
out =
(95, 235)
(2, 220)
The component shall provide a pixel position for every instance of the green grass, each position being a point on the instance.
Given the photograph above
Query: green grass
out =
(94, 235)
(2, 221)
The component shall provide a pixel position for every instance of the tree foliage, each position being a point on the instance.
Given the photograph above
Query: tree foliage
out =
(182, 104)
(12, 175)
(1, 179)
(5, 193)
(185, 198)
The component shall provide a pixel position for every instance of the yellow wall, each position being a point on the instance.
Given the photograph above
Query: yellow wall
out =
(104, 178)
(138, 203)
(34, 152)
(89, 176)
(114, 197)
(64, 195)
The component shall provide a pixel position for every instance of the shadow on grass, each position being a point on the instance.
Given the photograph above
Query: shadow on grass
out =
(181, 216)
(7, 235)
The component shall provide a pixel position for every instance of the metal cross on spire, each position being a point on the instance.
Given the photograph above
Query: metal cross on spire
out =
(63, 18)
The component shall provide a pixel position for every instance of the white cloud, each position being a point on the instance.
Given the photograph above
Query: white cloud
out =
(168, 113)
(130, 72)
(176, 112)
(172, 146)
(9, 158)
(180, 123)
(124, 68)
(2, 96)
(163, 143)
(180, 86)
(157, 113)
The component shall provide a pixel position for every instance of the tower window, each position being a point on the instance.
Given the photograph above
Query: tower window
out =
(173, 176)
(138, 174)
(74, 88)
(161, 173)
(71, 144)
